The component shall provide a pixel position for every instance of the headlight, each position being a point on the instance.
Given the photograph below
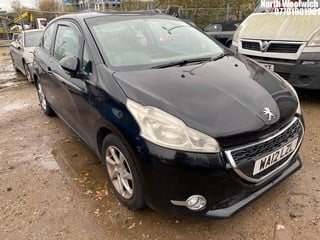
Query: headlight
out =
(295, 93)
(168, 131)
(315, 40)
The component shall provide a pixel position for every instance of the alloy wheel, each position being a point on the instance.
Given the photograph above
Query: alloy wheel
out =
(42, 97)
(119, 172)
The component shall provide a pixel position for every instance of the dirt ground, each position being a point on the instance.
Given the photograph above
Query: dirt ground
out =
(54, 187)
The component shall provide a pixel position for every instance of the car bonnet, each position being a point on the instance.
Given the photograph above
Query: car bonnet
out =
(270, 26)
(220, 98)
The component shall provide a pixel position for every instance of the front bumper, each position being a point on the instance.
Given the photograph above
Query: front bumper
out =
(302, 73)
(241, 201)
(169, 175)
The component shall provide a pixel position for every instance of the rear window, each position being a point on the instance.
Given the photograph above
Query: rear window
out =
(32, 39)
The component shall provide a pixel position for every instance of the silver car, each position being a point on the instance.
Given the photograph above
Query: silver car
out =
(21, 51)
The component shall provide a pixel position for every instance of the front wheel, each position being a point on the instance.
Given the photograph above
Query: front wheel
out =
(43, 100)
(27, 73)
(122, 173)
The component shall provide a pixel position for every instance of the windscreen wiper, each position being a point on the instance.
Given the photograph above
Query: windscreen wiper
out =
(183, 62)
(222, 55)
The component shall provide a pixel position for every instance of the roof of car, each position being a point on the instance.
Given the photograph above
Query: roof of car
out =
(33, 30)
(81, 16)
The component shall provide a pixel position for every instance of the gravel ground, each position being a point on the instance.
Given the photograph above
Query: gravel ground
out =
(54, 187)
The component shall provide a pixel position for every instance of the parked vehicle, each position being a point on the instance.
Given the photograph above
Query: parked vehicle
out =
(176, 11)
(16, 28)
(21, 51)
(10, 26)
(181, 124)
(286, 44)
(222, 31)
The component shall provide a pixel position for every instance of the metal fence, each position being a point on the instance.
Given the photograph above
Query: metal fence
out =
(200, 16)
(203, 16)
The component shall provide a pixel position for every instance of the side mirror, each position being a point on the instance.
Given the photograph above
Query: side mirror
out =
(70, 64)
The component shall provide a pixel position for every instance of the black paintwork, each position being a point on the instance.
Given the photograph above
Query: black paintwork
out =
(167, 171)
(213, 105)
(223, 98)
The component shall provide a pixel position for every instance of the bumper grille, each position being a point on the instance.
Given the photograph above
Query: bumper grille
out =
(284, 75)
(272, 60)
(243, 158)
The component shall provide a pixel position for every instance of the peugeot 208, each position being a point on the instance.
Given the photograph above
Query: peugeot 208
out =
(182, 125)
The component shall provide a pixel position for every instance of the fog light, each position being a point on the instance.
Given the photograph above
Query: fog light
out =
(196, 202)
(305, 80)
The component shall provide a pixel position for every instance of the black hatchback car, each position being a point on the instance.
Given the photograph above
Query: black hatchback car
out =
(182, 125)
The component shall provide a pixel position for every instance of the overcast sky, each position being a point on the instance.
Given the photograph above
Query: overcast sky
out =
(6, 4)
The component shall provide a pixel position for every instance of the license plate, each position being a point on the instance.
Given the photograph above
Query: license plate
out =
(272, 158)
(269, 66)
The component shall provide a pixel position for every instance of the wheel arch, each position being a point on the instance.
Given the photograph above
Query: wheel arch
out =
(36, 72)
(100, 136)
(106, 128)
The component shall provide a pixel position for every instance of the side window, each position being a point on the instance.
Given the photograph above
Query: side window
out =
(48, 37)
(67, 43)
(86, 60)
(15, 37)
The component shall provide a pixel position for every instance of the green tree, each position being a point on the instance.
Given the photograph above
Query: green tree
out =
(49, 8)
(18, 7)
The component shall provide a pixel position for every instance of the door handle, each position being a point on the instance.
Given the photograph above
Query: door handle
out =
(49, 71)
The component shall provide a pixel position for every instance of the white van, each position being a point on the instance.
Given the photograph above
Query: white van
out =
(285, 38)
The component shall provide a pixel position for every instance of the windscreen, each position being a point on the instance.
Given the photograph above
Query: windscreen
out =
(149, 42)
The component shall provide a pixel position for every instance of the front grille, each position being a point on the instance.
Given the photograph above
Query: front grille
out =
(284, 48)
(243, 158)
(274, 47)
(255, 46)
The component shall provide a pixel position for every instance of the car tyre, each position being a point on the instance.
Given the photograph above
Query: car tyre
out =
(14, 66)
(45, 106)
(121, 172)
(27, 73)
